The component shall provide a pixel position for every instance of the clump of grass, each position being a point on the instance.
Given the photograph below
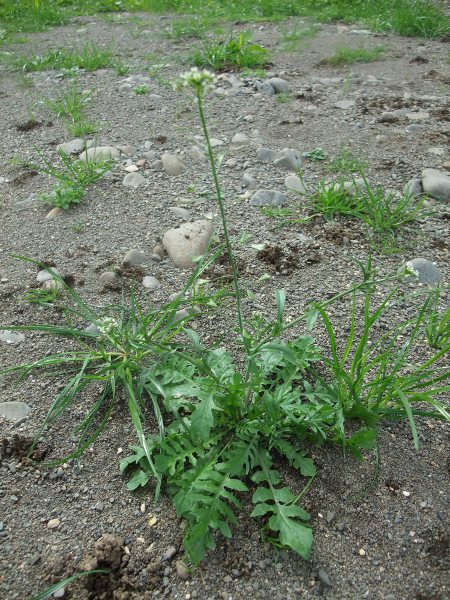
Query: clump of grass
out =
(437, 323)
(43, 296)
(194, 28)
(293, 39)
(73, 177)
(71, 105)
(232, 53)
(317, 154)
(140, 90)
(347, 56)
(89, 58)
(347, 161)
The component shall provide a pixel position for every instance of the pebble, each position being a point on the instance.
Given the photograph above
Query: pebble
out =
(60, 593)
(11, 337)
(172, 164)
(418, 116)
(263, 87)
(266, 155)
(99, 153)
(413, 187)
(197, 154)
(388, 117)
(288, 158)
(169, 553)
(215, 142)
(127, 150)
(324, 577)
(134, 258)
(240, 140)
(133, 180)
(268, 198)
(436, 183)
(294, 183)
(55, 212)
(53, 523)
(109, 277)
(180, 212)
(150, 155)
(158, 250)
(189, 240)
(151, 283)
(182, 570)
(72, 147)
(279, 85)
(44, 275)
(427, 271)
(344, 104)
(14, 411)
(131, 168)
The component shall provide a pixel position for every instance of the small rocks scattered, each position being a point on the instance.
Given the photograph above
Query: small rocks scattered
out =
(186, 242)
(181, 213)
(14, 411)
(266, 155)
(73, 147)
(172, 164)
(268, 198)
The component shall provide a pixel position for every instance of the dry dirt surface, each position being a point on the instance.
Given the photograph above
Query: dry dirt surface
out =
(380, 533)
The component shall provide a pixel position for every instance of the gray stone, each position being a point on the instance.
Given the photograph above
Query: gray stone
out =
(189, 240)
(169, 553)
(266, 155)
(436, 183)
(268, 198)
(294, 183)
(151, 283)
(413, 187)
(172, 164)
(134, 258)
(427, 272)
(418, 116)
(100, 153)
(324, 577)
(265, 88)
(249, 179)
(127, 150)
(109, 277)
(133, 180)
(72, 147)
(55, 212)
(27, 203)
(10, 337)
(157, 165)
(215, 142)
(60, 593)
(180, 212)
(288, 158)
(92, 328)
(388, 117)
(182, 570)
(280, 86)
(240, 140)
(150, 155)
(344, 104)
(44, 275)
(14, 411)
(195, 153)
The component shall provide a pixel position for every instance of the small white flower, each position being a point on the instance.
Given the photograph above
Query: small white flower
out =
(408, 270)
(200, 81)
(107, 325)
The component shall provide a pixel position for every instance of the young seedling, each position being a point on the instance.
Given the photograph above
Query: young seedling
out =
(231, 53)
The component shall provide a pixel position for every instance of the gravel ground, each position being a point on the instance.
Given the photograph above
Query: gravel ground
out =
(378, 535)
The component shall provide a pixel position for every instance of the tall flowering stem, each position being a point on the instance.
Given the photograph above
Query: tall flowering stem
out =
(200, 82)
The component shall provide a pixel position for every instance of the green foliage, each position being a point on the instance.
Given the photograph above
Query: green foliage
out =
(42, 296)
(140, 90)
(347, 56)
(73, 178)
(89, 58)
(437, 325)
(70, 104)
(231, 53)
(347, 162)
(194, 28)
(294, 39)
(316, 154)
(49, 592)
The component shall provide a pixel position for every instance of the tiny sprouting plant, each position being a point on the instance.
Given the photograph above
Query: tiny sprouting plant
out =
(139, 90)
(316, 154)
(71, 106)
(346, 56)
(231, 53)
(89, 58)
(73, 177)
(43, 296)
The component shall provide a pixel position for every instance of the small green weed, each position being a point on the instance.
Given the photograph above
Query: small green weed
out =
(79, 227)
(73, 177)
(317, 154)
(437, 325)
(347, 162)
(294, 39)
(284, 97)
(89, 58)
(70, 104)
(140, 90)
(42, 296)
(82, 129)
(347, 56)
(194, 28)
(232, 53)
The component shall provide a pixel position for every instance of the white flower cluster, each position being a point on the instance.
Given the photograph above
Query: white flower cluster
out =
(107, 325)
(201, 81)
(408, 270)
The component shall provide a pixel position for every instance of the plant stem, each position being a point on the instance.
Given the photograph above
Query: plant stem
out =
(232, 262)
